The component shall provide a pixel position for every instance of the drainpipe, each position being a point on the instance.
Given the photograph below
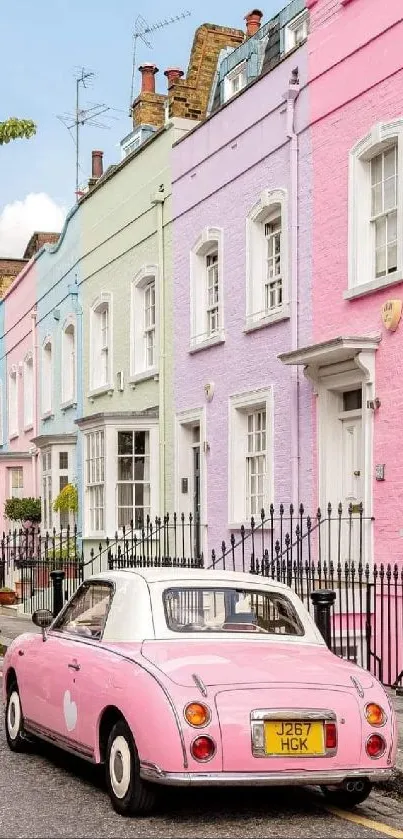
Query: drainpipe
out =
(34, 450)
(291, 96)
(158, 202)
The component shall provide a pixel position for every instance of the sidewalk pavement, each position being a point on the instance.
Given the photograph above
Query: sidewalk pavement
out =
(13, 624)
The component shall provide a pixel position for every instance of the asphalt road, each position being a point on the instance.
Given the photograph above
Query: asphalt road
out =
(50, 794)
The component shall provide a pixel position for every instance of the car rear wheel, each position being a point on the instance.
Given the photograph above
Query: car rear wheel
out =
(352, 793)
(15, 721)
(130, 795)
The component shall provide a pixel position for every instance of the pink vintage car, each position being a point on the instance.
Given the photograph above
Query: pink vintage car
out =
(186, 677)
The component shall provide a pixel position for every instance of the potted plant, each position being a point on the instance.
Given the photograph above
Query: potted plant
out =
(26, 511)
(67, 501)
(7, 596)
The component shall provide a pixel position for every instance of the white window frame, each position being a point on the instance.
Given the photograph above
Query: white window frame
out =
(139, 369)
(210, 240)
(69, 363)
(301, 20)
(240, 406)
(47, 378)
(97, 346)
(13, 407)
(29, 407)
(361, 273)
(47, 489)
(238, 73)
(271, 205)
(95, 488)
(20, 490)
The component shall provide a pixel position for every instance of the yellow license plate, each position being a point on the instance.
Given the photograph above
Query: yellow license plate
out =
(294, 739)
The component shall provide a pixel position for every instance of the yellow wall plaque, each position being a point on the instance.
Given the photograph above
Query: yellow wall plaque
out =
(391, 314)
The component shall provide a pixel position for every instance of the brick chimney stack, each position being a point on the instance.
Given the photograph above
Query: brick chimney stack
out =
(253, 19)
(172, 74)
(97, 164)
(148, 72)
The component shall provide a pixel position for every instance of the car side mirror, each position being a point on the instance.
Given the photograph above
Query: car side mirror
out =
(42, 618)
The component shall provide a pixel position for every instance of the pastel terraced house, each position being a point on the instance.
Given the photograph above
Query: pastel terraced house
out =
(242, 206)
(19, 468)
(126, 290)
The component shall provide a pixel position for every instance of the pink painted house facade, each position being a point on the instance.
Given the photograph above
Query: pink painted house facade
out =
(354, 361)
(241, 253)
(18, 461)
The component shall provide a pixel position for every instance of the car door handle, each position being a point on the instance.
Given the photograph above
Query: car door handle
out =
(73, 665)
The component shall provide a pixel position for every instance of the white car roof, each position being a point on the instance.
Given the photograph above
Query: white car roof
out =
(191, 575)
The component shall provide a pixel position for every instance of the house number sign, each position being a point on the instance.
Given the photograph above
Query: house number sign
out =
(391, 314)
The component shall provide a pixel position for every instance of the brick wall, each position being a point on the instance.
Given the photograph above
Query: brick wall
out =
(9, 269)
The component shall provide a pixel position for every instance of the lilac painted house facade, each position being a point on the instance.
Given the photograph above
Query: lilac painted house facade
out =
(241, 252)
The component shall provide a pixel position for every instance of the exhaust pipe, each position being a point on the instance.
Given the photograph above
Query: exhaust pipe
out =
(354, 786)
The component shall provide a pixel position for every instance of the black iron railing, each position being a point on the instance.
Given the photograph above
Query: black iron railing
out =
(306, 553)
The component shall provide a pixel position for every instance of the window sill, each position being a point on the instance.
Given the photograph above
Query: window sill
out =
(144, 376)
(49, 415)
(374, 285)
(100, 391)
(71, 403)
(252, 325)
(14, 435)
(197, 346)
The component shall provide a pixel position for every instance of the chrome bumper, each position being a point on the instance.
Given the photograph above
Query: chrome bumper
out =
(152, 773)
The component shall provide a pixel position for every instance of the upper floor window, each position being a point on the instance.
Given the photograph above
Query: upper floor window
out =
(101, 344)
(296, 31)
(69, 362)
(47, 377)
(16, 482)
(206, 293)
(375, 209)
(13, 403)
(235, 80)
(28, 391)
(267, 260)
(144, 334)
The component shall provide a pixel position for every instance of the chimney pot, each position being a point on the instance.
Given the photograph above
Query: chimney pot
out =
(148, 72)
(97, 164)
(253, 19)
(172, 74)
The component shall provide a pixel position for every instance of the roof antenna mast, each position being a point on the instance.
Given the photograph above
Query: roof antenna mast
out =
(142, 30)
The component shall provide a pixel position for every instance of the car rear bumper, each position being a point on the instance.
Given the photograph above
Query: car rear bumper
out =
(152, 773)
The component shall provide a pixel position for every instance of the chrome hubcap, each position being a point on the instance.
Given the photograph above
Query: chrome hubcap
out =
(14, 715)
(120, 763)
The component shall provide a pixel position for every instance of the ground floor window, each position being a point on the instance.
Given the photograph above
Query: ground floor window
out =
(95, 479)
(47, 500)
(250, 455)
(133, 484)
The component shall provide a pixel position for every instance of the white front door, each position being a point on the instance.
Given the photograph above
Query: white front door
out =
(352, 471)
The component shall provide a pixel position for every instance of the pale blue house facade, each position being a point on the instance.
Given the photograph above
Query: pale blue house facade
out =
(59, 353)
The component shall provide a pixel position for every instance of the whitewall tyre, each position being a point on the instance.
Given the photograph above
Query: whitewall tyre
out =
(14, 721)
(130, 795)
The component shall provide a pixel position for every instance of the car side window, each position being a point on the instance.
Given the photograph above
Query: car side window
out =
(87, 612)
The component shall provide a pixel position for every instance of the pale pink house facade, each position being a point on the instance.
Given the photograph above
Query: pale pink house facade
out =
(355, 358)
(18, 458)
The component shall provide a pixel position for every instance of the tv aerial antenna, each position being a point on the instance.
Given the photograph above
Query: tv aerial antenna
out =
(142, 31)
(82, 116)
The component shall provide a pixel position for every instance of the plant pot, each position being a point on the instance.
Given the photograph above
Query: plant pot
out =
(7, 598)
(41, 576)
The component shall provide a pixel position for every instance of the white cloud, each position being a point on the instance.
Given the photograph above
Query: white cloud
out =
(19, 220)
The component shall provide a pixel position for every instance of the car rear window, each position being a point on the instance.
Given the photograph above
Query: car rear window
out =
(230, 610)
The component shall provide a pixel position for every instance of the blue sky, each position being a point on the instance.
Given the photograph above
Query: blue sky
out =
(42, 45)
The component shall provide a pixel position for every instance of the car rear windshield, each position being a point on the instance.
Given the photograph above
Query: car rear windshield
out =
(230, 610)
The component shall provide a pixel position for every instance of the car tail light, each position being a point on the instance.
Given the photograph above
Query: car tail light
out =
(203, 748)
(375, 714)
(330, 735)
(375, 746)
(197, 714)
